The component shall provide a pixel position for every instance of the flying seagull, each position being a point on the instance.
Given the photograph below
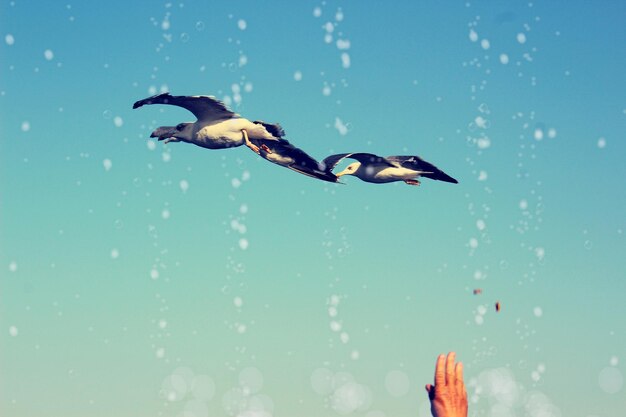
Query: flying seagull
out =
(283, 153)
(217, 126)
(376, 169)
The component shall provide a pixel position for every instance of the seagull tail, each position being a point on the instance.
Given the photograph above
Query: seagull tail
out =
(275, 129)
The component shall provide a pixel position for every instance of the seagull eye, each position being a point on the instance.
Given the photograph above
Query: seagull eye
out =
(180, 127)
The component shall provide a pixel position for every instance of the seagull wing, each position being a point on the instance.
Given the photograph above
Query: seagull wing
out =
(427, 169)
(289, 156)
(372, 160)
(330, 162)
(205, 108)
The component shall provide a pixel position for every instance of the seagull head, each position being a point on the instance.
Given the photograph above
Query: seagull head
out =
(181, 131)
(350, 169)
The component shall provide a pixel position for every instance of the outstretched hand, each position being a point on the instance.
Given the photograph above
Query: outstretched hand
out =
(448, 397)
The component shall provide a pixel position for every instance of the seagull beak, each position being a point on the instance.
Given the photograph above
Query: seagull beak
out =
(342, 173)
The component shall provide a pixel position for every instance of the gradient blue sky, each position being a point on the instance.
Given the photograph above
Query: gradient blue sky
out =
(146, 279)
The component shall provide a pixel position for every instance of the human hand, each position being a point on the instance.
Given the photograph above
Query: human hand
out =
(448, 397)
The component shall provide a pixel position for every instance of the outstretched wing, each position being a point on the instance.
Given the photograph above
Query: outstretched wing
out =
(418, 164)
(285, 154)
(205, 108)
(331, 161)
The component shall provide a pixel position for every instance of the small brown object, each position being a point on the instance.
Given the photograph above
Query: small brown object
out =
(497, 306)
(477, 291)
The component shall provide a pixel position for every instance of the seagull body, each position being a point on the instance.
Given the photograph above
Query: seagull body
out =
(216, 126)
(376, 169)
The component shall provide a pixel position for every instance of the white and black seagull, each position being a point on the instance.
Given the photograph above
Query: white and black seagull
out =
(376, 169)
(217, 126)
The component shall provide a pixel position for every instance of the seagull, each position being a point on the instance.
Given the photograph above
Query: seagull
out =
(283, 153)
(217, 126)
(376, 169)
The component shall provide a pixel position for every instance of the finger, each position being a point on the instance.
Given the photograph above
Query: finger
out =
(450, 376)
(458, 371)
(440, 376)
(431, 391)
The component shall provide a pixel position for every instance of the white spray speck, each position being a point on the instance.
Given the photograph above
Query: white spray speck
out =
(339, 15)
(243, 243)
(540, 253)
(238, 302)
(521, 38)
(162, 324)
(151, 145)
(160, 352)
(552, 133)
(48, 54)
(317, 12)
(504, 59)
(341, 127)
(241, 24)
(235, 182)
(25, 126)
(245, 176)
(611, 380)
(115, 253)
(107, 164)
(480, 224)
(184, 185)
(523, 204)
(473, 243)
(483, 143)
(482, 176)
(154, 273)
(473, 36)
(537, 311)
(601, 143)
(329, 27)
(538, 134)
(485, 44)
(13, 331)
(13, 266)
(165, 214)
(117, 121)
(343, 44)
(345, 60)
(335, 326)
(243, 209)
(297, 75)
(9, 39)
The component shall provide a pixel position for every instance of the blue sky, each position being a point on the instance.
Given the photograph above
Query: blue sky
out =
(148, 279)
